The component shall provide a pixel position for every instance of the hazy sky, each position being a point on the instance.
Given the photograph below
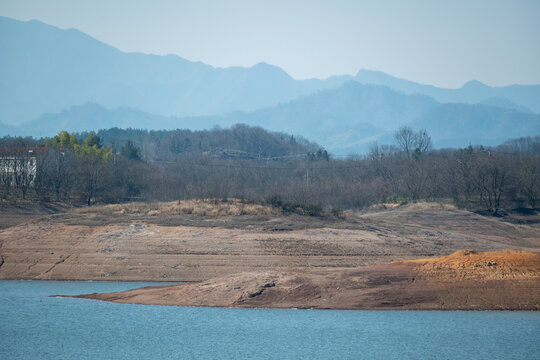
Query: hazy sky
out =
(444, 43)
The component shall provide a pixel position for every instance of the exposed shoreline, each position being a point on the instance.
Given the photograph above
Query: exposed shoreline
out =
(128, 243)
(466, 280)
(363, 260)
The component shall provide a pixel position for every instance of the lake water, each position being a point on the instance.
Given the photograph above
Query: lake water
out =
(36, 326)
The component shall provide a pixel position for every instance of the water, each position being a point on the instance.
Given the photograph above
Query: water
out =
(36, 326)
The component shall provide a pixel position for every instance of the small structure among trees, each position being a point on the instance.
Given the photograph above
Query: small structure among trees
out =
(18, 169)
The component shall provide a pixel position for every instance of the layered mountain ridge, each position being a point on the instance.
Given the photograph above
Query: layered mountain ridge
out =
(344, 120)
(55, 79)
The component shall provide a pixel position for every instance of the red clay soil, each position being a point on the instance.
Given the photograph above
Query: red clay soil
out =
(465, 280)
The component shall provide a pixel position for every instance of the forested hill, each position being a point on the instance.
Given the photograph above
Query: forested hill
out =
(239, 141)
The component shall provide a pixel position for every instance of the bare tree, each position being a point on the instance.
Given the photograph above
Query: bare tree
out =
(24, 170)
(54, 172)
(528, 173)
(6, 175)
(413, 143)
(492, 181)
(406, 139)
(422, 143)
(464, 171)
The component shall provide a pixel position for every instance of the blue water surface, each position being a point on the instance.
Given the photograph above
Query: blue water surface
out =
(34, 325)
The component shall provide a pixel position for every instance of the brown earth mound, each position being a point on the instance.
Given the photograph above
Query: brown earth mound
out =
(469, 264)
(466, 280)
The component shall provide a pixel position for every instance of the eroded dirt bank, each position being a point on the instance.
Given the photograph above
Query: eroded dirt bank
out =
(466, 280)
(199, 240)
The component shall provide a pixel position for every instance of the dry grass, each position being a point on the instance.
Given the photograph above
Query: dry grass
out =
(381, 207)
(421, 205)
(237, 207)
(197, 207)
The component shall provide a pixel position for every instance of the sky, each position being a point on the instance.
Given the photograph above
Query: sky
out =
(444, 43)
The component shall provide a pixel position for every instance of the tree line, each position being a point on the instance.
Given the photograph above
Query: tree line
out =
(249, 163)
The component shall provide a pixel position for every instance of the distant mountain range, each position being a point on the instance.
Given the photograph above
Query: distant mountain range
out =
(54, 79)
(458, 125)
(343, 120)
(46, 69)
(526, 96)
